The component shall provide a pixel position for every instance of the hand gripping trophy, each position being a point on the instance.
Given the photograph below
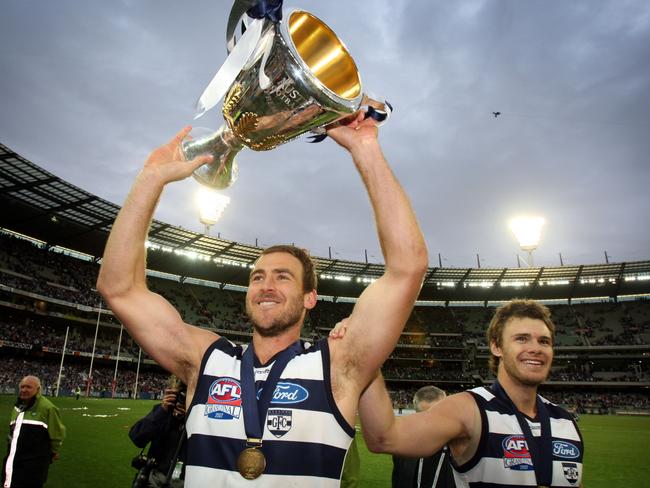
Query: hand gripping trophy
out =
(282, 78)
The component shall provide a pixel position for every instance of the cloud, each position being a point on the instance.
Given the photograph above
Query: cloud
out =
(91, 88)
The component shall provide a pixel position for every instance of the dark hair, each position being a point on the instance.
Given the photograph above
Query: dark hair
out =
(309, 279)
(515, 309)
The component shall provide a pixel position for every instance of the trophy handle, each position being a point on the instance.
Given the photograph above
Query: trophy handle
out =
(224, 146)
(367, 100)
(378, 110)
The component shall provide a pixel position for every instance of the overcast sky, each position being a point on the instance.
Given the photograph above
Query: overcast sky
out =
(89, 88)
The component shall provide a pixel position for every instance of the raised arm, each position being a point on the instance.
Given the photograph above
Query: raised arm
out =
(451, 420)
(150, 319)
(383, 308)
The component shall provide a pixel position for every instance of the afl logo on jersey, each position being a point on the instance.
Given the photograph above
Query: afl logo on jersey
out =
(516, 454)
(224, 399)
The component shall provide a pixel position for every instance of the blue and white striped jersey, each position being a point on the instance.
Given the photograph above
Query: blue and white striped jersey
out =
(503, 458)
(305, 437)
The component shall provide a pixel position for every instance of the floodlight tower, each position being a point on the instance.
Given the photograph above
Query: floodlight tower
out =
(527, 231)
(211, 206)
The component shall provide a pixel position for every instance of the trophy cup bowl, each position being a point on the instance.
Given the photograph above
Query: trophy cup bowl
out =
(299, 78)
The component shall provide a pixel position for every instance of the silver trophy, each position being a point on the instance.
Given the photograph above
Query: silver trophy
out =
(299, 77)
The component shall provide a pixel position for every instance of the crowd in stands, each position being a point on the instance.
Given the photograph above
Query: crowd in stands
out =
(76, 375)
(584, 402)
(431, 340)
(429, 353)
(599, 402)
(424, 373)
(43, 290)
(39, 332)
(572, 375)
(26, 266)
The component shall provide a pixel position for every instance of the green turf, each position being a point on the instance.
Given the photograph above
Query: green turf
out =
(375, 468)
(98, 452)
(615, 451)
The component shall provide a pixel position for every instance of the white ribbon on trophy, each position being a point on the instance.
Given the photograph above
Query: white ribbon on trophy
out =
(236, 60)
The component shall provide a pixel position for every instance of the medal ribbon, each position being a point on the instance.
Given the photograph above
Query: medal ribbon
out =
(254, 409)
(541, 452)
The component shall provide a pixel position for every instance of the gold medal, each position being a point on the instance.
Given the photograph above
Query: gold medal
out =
(251, 463)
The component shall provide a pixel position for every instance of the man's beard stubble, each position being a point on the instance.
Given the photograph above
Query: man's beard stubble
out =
(513, 372)
(279, 325)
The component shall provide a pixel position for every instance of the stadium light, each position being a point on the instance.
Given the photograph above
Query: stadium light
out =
(211, 205)
(527, 231)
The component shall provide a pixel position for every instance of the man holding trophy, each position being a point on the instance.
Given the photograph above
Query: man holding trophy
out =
(278, 411)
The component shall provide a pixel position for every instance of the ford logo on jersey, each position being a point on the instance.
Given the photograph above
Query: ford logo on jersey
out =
(289, 393)
(565, 450)
(224, 399)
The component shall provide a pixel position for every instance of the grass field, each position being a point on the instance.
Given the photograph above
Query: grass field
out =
(98, 452)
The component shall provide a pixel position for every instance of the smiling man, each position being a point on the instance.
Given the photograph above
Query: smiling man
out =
(500, 436)
(278, 411)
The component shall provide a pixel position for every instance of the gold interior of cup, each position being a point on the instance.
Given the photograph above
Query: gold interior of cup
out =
(324, 54)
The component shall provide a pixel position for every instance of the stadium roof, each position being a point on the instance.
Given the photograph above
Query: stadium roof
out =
(43, 206)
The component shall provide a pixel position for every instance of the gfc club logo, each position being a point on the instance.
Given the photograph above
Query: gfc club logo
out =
(279, 421)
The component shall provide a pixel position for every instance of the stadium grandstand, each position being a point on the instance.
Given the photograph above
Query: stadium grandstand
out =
(54, 324)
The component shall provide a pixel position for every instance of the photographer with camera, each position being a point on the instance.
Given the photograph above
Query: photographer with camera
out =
(164, 428)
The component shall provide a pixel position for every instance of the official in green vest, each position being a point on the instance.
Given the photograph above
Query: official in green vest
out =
(35, 437)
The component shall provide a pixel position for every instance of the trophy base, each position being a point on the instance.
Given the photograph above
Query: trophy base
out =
(224, 146)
